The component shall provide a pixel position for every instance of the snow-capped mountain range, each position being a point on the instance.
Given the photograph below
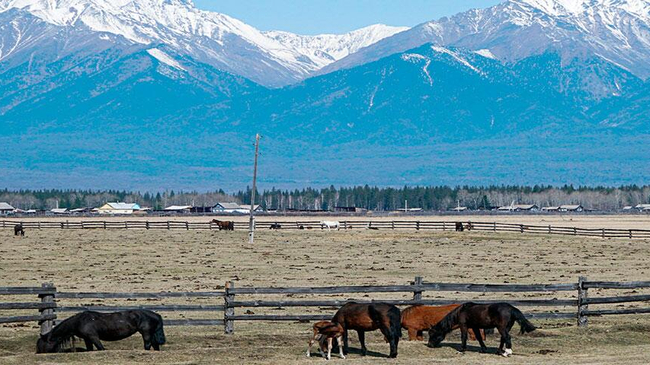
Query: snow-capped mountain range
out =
(268, 58)
(552, 91)
(615, 30)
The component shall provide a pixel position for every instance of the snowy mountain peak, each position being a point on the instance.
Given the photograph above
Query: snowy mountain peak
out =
(323, 49)
(271, 58)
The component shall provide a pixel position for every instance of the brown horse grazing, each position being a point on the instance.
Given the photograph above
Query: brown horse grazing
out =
(370, 317)
(224, 225)
(328, 331)
(19, 230)
(418, 318)
(481, 316)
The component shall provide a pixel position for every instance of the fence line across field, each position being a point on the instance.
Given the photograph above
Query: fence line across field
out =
(357, 224)
(226, 302)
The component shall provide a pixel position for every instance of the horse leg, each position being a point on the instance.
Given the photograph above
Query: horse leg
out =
(97, 343)
(362, 340)
(477, 333)
(329, 348)
(345, 342)
(508, 339)
(463, 338)
(89, 344)
(413, 334)
(503, 334)
(420, 336)
(147, 341)
(311, 343)
(339, 340)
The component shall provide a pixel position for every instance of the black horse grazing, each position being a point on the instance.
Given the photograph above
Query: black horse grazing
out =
(459, 227)
(276, 226)
(481, 316)
(93, 327)
(370, 317)
(19, 230)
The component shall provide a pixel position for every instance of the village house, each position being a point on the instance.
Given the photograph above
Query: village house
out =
(6, 209)
(118, 208)
(181, 209)
(571, 208)
(643, 207)
(519, 208)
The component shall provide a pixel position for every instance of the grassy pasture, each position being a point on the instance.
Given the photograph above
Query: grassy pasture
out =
(98, 260)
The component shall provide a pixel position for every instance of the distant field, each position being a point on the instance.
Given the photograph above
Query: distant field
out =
(622, 221)
(138, 260)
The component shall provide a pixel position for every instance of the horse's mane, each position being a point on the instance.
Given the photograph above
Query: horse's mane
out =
(448, 323)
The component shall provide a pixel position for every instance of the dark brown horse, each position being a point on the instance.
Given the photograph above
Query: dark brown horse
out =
(94, 327)
(19, 230)
(459, 227)
(419, 318)
(501, 316)
(224, 225)
(370, 317)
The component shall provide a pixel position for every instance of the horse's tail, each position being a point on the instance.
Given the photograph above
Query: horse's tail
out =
(159, 333)
(395, 322)
(526, 326)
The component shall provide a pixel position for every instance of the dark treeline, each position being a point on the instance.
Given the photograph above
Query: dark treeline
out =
(444, 197)
(371, 198)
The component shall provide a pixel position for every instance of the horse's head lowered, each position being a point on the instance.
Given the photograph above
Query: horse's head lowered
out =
(45, 344)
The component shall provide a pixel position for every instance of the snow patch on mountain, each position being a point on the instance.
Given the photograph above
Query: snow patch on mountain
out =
(486, 53)
(165, 58)
(457, 57)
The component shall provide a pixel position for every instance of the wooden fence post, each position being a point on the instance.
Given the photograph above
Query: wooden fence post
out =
(187, 226)
(392, 223)
(417, 225)
(575, 231)
(630, 234)
(417, 294)
(521, 228)
(229, 324)
(603, 229)
(147, 224)
(104, 224)
(444, 226)
(168, 225)
(582, 307)
(549, 229)
(48, 324)
(39, 224)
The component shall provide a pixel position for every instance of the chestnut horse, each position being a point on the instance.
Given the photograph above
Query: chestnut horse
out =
(418, 318)
(224, 225)
(328, 331)
(501, 316)
(370, 317)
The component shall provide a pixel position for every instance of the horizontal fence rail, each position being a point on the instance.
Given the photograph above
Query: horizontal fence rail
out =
(228, 301)
(343, 225)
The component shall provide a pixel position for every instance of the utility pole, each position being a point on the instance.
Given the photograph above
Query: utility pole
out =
(251, 223)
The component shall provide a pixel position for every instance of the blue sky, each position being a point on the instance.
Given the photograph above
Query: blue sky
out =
(337, 16)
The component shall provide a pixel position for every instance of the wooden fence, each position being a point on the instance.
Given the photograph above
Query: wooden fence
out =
(229, 301)
(367, 224)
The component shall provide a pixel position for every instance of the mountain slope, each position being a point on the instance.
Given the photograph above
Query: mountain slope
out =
(212, 38)
(618, 31)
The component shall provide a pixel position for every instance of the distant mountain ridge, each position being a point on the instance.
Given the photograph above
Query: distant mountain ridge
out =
(268, 58)
(526, 92)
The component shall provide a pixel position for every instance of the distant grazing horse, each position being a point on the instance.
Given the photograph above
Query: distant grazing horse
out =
(224, 225)
(19, 230)
(94, 327)
(328, 331)
(459, 227)
(370, 317)
(418, 318)
(330, 225)
(469, 226)
(275, 226)
(481, 316)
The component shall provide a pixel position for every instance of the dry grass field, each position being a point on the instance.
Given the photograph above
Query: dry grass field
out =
(119, 260)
